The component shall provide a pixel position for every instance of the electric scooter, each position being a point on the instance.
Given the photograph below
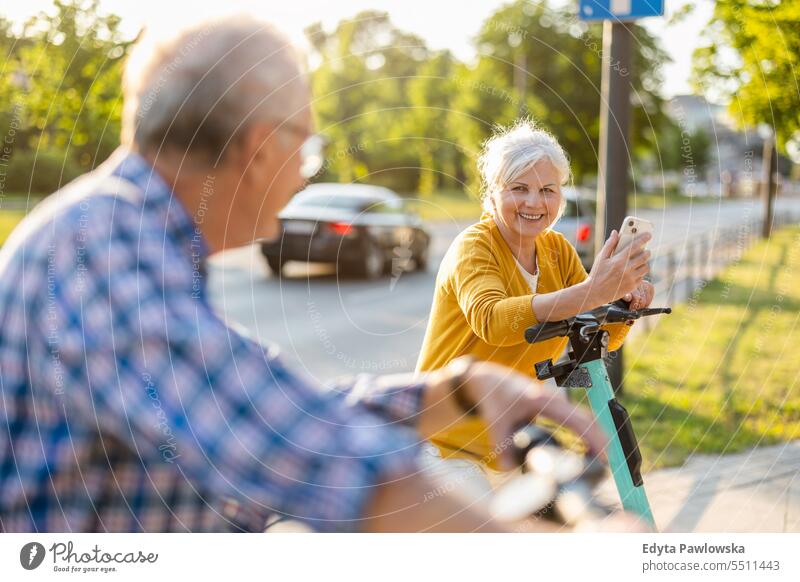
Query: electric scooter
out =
(585, 368)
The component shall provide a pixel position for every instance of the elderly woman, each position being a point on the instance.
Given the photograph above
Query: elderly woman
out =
(511, 270)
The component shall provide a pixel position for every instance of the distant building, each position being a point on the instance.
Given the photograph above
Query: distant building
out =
(736, 153)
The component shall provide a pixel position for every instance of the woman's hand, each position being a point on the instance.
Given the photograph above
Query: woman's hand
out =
(614, 276)
(642, 296)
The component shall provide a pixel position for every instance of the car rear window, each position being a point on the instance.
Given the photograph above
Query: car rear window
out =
(334, 201)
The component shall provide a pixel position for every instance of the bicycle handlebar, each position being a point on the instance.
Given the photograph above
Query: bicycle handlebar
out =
(556, 484)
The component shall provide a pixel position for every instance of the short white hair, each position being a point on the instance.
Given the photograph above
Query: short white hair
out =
(511, 152)
(196, 90)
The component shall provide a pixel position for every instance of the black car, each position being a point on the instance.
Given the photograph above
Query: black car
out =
(577, 222)
(366, 230)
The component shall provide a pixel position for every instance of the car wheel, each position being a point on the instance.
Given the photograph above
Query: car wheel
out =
(373, 263)
(421, 258)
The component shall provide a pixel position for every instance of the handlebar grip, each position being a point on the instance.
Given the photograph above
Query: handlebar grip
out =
(545, 331)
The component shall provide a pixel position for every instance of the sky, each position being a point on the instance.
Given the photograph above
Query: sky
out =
(443, 24)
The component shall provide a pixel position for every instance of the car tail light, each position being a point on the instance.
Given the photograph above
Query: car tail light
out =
(341, 228)
(584, 231)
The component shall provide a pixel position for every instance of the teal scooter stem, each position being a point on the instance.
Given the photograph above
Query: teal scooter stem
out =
(625, 464)
(586, 369)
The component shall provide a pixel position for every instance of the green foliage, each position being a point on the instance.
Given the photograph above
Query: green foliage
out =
(40, 172)
(381, 91)
(73, 72)
(700, 145)
(8, 220)
(483, 101)
(752, 58)
(427, 123)
(561, 70)
(361, 87)
(397, 112)
(61, 90)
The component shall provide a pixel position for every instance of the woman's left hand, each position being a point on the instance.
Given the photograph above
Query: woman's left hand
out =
(642, 296)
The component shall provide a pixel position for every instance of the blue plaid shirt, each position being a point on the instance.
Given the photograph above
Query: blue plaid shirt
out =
(127, 404)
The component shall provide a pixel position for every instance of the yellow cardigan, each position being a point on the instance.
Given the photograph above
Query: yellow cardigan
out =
(482, 306)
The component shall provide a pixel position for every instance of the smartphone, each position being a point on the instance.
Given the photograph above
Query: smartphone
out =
(631, 228)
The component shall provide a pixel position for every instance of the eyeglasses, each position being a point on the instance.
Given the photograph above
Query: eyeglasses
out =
(312, 155)
(312, 150)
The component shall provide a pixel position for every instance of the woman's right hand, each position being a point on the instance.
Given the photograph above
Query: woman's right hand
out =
(614, 276)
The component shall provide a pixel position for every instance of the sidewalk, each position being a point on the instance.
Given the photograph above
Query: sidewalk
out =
(754, 491)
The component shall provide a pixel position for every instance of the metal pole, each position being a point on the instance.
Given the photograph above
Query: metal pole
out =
(672, 276)
(769, 184)
(612, 182)
(521, 79)
(703, 259)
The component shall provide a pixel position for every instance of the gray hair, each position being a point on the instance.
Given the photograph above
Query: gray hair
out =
(194, 92)
(511, 151)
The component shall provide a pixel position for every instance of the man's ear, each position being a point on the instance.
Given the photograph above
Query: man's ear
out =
(253, 145)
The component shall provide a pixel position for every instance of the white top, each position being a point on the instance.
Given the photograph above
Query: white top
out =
(533, 280)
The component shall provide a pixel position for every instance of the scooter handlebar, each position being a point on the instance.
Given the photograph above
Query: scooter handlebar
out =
(547, 330)
(610, 313)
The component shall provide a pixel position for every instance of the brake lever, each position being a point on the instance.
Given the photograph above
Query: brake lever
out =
(617, 315)
(655, 311)
(613, 313)
(620, 311)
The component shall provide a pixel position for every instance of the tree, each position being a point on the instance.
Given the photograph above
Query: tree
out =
(700, 148)
(429, 95)
(482, 101)
(412, 118)
(752, 59)
(12, 81)
(361, 86)
(559, 59)
(73, 70)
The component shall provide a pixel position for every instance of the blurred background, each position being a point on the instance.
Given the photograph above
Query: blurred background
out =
(406, 93)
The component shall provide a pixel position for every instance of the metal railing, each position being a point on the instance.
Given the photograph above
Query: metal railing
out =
(679, 270)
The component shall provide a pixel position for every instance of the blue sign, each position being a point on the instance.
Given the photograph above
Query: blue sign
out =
(619, 9)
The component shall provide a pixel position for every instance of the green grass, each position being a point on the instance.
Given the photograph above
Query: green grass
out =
(8, 220)
(720, 374)
(446, 205)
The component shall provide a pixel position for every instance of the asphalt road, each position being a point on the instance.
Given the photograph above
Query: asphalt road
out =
(333, 327)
